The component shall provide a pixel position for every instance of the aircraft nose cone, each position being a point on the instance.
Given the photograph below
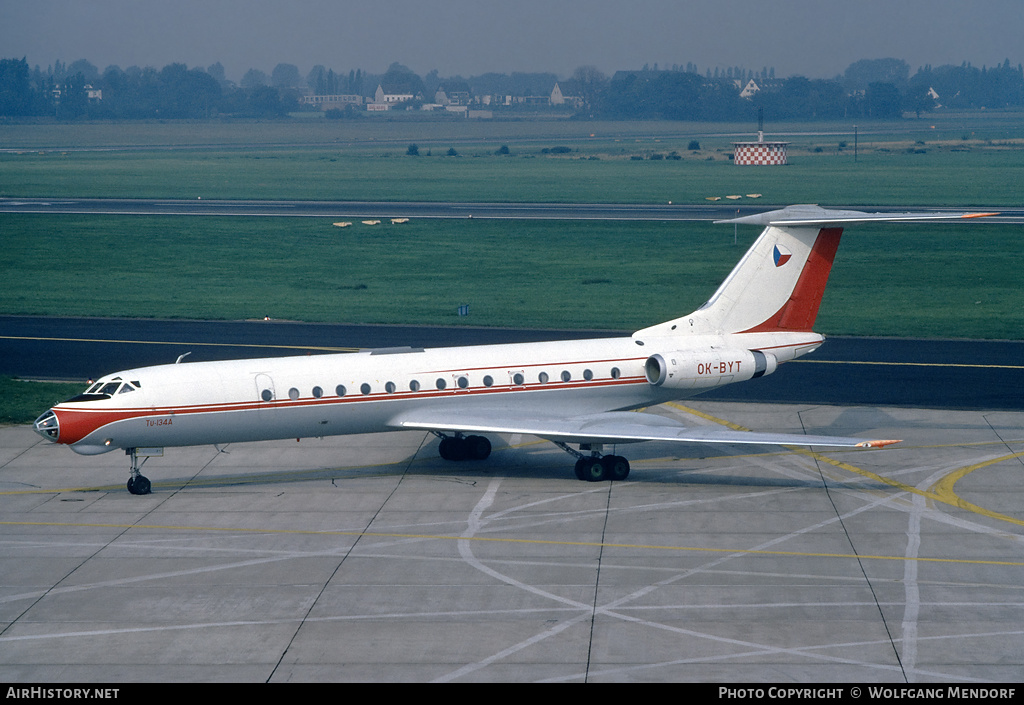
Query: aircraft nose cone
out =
(48, 426)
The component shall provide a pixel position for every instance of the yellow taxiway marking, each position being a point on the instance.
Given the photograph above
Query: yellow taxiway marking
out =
(941, 491)
(498, 539)
(183, 343)
(944, 488)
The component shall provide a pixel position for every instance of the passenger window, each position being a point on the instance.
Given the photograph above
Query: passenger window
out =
(488, 380)
(317, 392)
(441, 384)
(463, 382)
(266, 395)
(518, 378)
(340, 390)
(588, 375)
(543, 377)
(390, 387)
(566, 375)
(364, 388)
(293, 394)
(616, 373)
(414, 386)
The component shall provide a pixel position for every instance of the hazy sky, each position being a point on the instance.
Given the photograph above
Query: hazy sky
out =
(815, 38)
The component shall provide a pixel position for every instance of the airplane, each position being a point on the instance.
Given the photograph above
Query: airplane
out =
(585, 393)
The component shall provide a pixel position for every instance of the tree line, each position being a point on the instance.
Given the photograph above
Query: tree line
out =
(173, 92)
(871, 88)
(878, 89)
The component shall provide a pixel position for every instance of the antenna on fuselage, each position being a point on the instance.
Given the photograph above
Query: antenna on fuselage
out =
(182, 357)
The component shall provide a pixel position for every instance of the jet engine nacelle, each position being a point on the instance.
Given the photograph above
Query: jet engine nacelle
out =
(701, 370)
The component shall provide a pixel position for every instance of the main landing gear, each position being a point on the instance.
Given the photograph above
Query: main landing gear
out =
(596, 467)
(591, 468)
(607, 467)
(137, 483)
(459, 447)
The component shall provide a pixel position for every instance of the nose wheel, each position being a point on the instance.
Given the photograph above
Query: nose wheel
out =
(137, 483)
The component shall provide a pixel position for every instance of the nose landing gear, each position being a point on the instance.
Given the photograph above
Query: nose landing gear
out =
(137, 483)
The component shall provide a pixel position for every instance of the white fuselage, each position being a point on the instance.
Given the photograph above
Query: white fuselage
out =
(323, 395)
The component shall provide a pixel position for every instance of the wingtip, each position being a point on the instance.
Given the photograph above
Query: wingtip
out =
(877, 444)
(978, 215)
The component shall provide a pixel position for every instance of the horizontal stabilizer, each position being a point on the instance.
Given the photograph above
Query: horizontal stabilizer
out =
(816, 216)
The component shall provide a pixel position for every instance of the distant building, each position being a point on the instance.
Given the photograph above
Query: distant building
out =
(533, 100)
(93, 95)
(496, 100)
(559, 98)
(453, 93)
(326, 102)
(397, 88)
(383, 96)
(758, 85)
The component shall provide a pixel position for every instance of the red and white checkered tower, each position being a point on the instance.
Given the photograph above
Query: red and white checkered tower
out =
(760, 153)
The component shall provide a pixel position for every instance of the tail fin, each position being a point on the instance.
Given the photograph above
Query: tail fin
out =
(779, 282)
(777, 286)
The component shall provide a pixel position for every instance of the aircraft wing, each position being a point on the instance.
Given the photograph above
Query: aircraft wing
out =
(608, 427)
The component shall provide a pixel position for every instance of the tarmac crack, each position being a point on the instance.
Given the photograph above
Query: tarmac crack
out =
(860, 562)
(359, 537)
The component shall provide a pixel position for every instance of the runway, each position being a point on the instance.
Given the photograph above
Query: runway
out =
(368, 558)
(416, 209)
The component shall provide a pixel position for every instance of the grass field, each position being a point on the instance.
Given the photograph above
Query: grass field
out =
(959, 281)
(952, 160)
(379, 132)
(24, 401)
(917, 280)
(983, 178)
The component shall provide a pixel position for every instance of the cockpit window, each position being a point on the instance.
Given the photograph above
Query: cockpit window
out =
(105, 389)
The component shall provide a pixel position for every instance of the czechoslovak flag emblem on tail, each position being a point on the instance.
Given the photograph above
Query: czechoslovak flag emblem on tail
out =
(781, 255)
